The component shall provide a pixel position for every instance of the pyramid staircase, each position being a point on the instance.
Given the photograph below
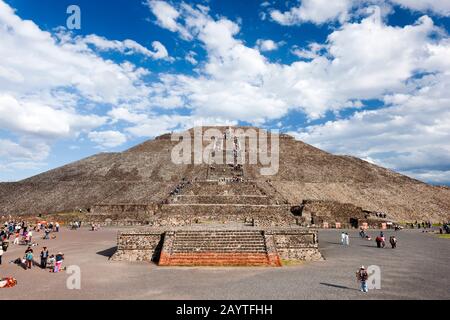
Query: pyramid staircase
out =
(217, 248)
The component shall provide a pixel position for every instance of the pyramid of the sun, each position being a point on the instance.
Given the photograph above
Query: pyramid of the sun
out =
(138, 185)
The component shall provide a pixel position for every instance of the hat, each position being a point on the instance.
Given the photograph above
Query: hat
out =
(362, 267)
(60, 252)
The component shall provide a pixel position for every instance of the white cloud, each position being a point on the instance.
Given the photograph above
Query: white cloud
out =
(323, 11)
(410, 135)
(126, 47)
(36, 119)
(441, 7)
(107, 139)
(51, 84)
(13, 151)
(360, 61)
(190, 57)
(315, 11)
(266, 45)
(167, 16)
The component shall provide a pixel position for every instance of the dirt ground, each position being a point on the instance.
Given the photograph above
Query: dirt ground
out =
(417, 269)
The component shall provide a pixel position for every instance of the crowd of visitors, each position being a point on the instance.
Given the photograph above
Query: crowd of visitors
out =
(25, 234)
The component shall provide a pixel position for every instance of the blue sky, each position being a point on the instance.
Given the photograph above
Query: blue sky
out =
(369, 78)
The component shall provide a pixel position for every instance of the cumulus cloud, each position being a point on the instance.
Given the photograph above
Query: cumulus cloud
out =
(315, 11)
(49, 83)
(266, 45)
(107, 139)
(237, 82)
(409, 135)
(323, 11)
(441, 7)
(126, 47)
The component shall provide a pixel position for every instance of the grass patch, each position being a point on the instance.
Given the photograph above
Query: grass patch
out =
(444, 236)
(287, 263)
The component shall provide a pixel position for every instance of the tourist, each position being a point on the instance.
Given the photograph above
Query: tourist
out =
(16, 238)
(378, 241)
(1, 254)
(46, 233)
(44, 257)
(362, 234)
(393, 242)
(347, 239)
(51, 262)
(343, 238)
(59, 258)
(28, 258)
(30, 236)
(5, 244)
(362, 276)
(57, 226)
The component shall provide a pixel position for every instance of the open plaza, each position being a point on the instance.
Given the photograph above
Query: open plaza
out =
(416, 269)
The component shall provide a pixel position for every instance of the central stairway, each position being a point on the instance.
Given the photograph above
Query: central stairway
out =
(217, 248)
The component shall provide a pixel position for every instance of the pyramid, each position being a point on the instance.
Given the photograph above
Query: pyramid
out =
(138, 185)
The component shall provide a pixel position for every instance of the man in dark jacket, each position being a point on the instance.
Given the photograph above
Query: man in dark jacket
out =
(44, 257)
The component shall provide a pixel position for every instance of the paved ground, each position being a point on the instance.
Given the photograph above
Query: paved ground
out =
(417, 269)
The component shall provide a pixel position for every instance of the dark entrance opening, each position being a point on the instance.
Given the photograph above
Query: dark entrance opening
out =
(297, 211)
(354, 222)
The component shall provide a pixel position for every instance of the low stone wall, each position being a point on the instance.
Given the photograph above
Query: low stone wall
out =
(139, 245)
(296, 244)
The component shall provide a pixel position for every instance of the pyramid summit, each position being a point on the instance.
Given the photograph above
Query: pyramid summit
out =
(134, 185)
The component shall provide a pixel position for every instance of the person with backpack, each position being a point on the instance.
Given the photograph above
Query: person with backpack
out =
(362, 276)
(378, 241)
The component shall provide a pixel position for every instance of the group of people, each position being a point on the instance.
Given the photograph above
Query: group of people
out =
(54, 261)
(380, 239)
(180, 187)
(74, 225)
(418, 225)
(22, 232)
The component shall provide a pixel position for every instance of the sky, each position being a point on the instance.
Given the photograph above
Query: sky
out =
(367, 78)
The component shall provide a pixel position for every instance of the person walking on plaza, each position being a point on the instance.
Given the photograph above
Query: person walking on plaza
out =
(343, 238)
(347, 239)
(1, 254)
(362, 276)
(46, 233)
(393, 242)
(16, 238)
(44, 257)
(57, 227)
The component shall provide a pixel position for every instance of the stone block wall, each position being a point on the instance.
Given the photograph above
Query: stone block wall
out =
(139, 246)
(297, 244)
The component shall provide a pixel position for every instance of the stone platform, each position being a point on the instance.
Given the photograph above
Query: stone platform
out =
(218, 246)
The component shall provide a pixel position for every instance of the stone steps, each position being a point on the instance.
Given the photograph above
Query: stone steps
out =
(222, 199)
(216, 248)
